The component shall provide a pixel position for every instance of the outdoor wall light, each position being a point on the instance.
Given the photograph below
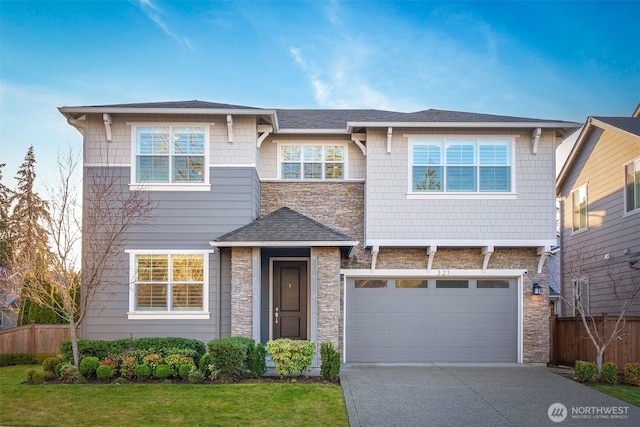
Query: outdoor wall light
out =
(537, 289)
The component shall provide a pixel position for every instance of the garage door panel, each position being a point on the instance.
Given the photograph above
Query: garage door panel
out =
(432, 324)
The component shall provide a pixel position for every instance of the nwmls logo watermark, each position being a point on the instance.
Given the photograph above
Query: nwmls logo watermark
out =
(557, 412)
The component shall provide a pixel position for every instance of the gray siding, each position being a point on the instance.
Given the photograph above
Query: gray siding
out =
(600, 165)
(390, 214)
(183, 220)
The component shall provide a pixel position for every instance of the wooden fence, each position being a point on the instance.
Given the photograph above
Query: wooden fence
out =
(34, 338)
(570, 342)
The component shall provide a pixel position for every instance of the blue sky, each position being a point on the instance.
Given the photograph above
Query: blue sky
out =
(559, 60)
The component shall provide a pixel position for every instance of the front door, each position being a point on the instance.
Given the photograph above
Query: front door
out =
(289, 310)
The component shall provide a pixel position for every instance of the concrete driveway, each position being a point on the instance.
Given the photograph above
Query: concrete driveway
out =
(475, 395)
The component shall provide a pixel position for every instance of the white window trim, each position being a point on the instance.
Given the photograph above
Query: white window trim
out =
(181, 186)
(573, 217)
(626, 213)
(342, 144)
(506, 195)
(132, 314)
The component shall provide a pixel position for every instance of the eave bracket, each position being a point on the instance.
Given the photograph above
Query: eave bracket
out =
(487, 251)
(230, 127)
(266, 131)
(106, 117)
(535, 139)
(431, 252)
(357, 138)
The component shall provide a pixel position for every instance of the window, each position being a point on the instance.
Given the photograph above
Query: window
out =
(580, 213)
(411, 284)
(170, 154)
(452, 284)
(312, 162)
(370, 284)
(168, 283)
(492, 284)
(461, 165)
(632, 186)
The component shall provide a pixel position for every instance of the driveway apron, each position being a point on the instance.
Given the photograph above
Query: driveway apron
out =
(475, 395)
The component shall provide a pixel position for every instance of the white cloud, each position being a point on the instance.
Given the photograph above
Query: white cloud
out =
(154, 13)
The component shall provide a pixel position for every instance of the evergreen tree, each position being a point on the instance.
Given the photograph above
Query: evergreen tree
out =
(5, 235)
(29, 246)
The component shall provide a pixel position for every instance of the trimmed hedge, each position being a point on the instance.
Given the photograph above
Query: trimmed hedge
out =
(229, 356)
(163, 346)
(23, 358)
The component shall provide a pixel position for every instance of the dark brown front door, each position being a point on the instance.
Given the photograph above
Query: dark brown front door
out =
(289, 300)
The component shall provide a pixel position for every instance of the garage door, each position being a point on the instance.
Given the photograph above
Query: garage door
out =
(431, 320)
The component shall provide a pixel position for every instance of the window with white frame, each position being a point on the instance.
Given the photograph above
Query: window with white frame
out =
(580, 208)
(169, 283)
(461, 165)
(312, 161)
(632, 186)
(170, 154)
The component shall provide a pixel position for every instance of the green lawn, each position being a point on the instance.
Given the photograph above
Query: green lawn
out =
(167, 404)
(629, 394)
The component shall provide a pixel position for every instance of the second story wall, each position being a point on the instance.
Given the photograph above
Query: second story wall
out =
(395, 213)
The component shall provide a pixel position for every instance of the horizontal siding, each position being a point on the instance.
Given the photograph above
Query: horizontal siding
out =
(600, 165)
(390, 215)
(182, 220)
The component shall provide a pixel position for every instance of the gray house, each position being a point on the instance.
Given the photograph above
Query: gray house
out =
(398, 237)
(599, 190)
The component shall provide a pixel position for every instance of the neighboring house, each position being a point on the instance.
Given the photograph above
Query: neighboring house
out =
(399, 237)
(599, 190)
(8, 301)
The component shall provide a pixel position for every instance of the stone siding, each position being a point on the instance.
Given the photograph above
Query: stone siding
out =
(241, 292)
(328, 298)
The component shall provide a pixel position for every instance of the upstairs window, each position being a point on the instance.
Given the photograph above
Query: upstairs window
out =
(170, 154)
(580, 214)
(632, 186)
(312, 161)
(461, 165)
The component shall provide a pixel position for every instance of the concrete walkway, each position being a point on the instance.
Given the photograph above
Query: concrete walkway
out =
(475, 395)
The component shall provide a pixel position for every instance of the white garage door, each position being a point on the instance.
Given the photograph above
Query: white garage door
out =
(431, 320)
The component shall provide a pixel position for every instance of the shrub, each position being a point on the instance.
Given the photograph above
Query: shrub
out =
(185, 370)
(30, 373)
(48, 375)
(69, 374)
(126, 367)
(585, 371)
(88, 365)
(256, 360)
(163, 371)
(163, 346)
(177, 360)
(23, 358)
(142, 371)
(49, 364)
(196, 377)
(290, 355)
(229, 356)
(120, 380)
(609, 373)
(153, 360)
(104, 372)
(632, 373)
(58, 369)
(37, 377)
(330, 367)
(204, 363)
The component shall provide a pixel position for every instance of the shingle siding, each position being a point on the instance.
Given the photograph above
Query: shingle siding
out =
(391, 215)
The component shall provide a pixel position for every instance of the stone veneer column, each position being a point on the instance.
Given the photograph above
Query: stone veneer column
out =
(241, 293)
(328, 298)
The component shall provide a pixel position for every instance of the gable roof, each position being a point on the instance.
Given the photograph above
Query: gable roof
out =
(628, 125)
(284, 227)
(326, 120)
